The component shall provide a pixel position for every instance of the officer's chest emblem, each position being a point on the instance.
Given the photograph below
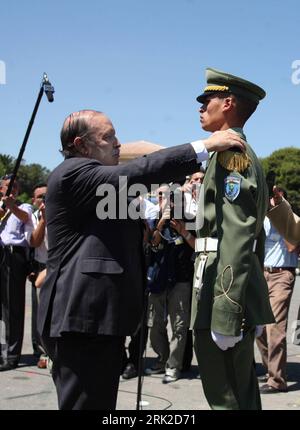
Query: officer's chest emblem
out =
(232, 186)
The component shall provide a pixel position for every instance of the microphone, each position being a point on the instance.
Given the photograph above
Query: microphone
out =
(48, 88)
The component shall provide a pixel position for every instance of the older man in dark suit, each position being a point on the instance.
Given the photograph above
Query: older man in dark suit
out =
(93, 294)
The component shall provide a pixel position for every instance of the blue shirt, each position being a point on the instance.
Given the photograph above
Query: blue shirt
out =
(276, 253)
(14, 230)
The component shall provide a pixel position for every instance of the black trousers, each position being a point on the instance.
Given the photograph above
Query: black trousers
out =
(134, 348)
(188, 352)
(13, 272)
(35, 336)
(86, 370)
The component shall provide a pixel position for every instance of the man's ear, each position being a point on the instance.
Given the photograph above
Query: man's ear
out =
(228, 104)
(80, 146)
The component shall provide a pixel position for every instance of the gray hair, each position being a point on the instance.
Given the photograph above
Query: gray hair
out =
(77, 124)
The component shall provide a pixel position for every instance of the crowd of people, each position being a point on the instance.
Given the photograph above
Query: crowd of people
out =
(205, 268)
(23, 253)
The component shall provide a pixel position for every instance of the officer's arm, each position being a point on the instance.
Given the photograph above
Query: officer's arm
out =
(236, 224)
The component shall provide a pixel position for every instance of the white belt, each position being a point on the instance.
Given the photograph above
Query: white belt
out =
(205, 244)
(210, 244)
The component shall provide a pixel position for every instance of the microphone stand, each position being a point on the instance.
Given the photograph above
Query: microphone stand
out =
(49, 90)
(141, 350)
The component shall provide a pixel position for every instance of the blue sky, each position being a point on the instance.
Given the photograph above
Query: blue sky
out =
(143, 63)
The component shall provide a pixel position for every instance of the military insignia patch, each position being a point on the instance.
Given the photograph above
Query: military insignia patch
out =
(232, 186)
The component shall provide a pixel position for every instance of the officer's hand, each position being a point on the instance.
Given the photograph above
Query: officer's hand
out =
(222, 140)
(225, 342)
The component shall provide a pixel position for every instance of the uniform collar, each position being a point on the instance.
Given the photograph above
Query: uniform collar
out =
(239, 131)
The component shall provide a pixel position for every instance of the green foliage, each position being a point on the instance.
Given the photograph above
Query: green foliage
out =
(29, 175)
(6, 164)
(285, 163)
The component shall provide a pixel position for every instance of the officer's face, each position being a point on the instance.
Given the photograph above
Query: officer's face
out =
(211, 113)
(104, 145)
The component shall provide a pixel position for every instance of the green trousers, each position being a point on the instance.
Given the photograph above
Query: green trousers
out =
(228, 377)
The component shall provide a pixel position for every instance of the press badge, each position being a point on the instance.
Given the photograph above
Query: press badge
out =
(232, 186)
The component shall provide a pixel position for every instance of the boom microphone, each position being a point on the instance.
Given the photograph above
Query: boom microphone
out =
(48, 88)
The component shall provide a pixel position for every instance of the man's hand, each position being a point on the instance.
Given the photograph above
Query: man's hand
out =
(225, 342)
(166, 212)
(42, 211)
(2, 211)
(222, 140)
(277, 197)
(178, 225)
(9, 201)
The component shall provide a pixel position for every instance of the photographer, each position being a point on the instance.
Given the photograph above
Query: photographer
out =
(191, 189)
(13, 271)
(39, 245)
(169, 282)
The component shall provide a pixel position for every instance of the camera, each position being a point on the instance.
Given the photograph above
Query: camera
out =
(176, 204)
(270, 179)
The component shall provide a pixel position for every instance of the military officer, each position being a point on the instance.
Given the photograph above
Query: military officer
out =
(230, 295)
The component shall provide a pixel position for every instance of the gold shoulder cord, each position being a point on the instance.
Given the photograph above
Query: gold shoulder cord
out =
(234, 161)
(225, 292)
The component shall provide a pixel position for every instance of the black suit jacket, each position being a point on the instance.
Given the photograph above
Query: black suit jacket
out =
(95, 269)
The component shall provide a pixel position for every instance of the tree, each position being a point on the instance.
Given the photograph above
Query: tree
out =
(285, 163)
(6, 164)
(28, 175)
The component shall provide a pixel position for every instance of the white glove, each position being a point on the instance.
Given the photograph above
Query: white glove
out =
(225, 342)
(259, 330)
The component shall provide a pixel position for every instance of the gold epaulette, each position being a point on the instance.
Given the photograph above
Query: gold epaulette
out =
(234, 161)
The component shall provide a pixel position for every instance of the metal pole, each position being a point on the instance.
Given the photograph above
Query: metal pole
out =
(45, 85)
(141, 351)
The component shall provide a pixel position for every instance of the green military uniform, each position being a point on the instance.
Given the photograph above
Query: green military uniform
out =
(232, 294)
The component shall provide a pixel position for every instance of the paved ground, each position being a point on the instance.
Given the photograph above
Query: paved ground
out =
(29, 388)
